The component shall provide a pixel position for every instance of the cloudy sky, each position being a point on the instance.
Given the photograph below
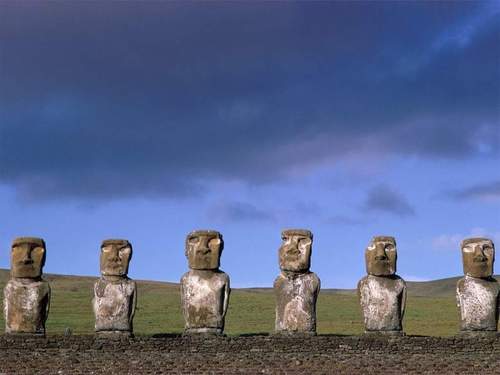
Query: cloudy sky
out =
(148, 120)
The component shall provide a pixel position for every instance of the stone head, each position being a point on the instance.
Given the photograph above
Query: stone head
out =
(27, 257)
(204, 249)
(478, 255)
(381, 256)
(295, 250)
(115, 257)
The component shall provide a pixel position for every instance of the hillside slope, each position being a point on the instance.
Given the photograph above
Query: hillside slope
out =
(431, 308)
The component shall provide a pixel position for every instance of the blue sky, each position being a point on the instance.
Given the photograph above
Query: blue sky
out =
(145, 121)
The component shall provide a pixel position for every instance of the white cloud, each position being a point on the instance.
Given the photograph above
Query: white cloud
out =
(452, 241)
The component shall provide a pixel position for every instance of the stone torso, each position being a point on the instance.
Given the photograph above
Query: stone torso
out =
(382, 302)
(26, 304)
(478, 303)
(296, 302)
(204, 299)
(114, 304)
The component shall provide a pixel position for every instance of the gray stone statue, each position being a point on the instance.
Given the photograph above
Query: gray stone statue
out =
(204, 288)
(296, 288)
(382, 293)
(26, 295)
(115, 295)
(478, 291)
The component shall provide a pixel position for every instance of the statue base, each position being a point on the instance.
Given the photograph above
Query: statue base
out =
(478, 334)
(25, 334)
(385, 333)
(113, 335)
(294, 333)
(203, 331)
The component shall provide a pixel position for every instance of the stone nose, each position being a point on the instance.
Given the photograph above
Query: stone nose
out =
(293, 248)
(380, 253)
(479, 254)
(203, 249)
(26, 255)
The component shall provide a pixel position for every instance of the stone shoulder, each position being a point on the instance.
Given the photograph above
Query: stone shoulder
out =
(362, 282)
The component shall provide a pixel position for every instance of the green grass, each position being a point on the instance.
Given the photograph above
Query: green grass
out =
(429, 311)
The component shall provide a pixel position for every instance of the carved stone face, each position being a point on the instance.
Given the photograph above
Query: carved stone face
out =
(115, 257)
(381, 256)
(295, 250)
(27, 257)
(203, 249)
(478, 255)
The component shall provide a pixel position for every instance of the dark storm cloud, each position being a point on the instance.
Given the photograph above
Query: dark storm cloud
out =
(104, 100)
(384, 199)
(487, 191)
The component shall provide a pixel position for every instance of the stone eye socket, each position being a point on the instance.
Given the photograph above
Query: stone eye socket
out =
(37, 250)
(304, 242)
(390, 247)
(193, 240)
(214, 242)
(124, 252)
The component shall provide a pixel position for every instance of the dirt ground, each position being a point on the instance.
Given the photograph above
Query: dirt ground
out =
(259, 354)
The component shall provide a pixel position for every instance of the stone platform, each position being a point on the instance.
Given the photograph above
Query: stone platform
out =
(257, 354)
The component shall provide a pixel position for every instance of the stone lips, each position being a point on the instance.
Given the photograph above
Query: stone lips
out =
(478, 293)
(295, 250)
(381, 256)
(27, 257)
(115, 295)
(296, 288)
(26, 294)
(115, 257)
(204, 249)
(382, 294)
(478, 256)
(205, 289)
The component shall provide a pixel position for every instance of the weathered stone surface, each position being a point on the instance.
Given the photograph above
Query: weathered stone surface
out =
(382, 294)
(382, 301)
(204, 288)
(296, 288)
(26, 294)
(478, 256)
(478, 292)
(115, 295)
(381, 256)
(259, 354)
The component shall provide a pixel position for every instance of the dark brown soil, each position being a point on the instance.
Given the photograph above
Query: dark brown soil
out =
(172, 354)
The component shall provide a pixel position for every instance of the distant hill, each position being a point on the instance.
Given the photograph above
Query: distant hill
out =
(435, 288)
(431, 308)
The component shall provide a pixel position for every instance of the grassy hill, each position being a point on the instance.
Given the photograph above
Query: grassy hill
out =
(430, 308)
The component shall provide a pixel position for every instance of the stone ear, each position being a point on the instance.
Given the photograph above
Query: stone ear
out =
(129, 249)
(44, 256)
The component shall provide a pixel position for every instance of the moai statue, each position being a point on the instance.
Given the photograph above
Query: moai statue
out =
(204, 288)
(382, 293)
(115, 295)
(26, 295)
(478, 291)
(296, 287)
